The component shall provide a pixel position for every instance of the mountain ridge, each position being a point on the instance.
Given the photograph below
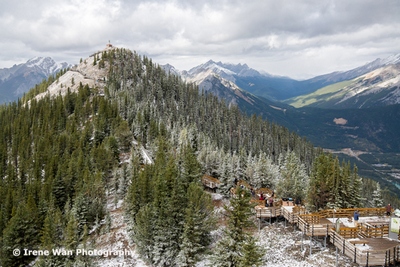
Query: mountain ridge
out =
(339, 128)
(18, 79)
(275, 87)
(379, 87)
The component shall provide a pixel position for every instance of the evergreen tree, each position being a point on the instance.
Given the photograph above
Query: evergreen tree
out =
(143, 232)
(198, 223)
(190, 167)
(22, 231)
(355, 189)
(294, 179)
(376, 200)
(252, 254)
(71, 233)
(266, 173)
(232, 250)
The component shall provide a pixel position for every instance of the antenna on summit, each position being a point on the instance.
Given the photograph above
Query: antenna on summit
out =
(109, 44)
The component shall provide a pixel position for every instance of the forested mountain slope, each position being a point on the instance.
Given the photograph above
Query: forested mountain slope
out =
(65, 153)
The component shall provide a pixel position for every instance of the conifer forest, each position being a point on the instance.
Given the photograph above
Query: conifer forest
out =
(146, 139)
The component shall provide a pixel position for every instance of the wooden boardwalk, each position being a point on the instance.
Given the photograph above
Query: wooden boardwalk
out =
(314, 225)
(291, 213)
(367, 251)
(210, 182)
(367, 243)
(267, 212)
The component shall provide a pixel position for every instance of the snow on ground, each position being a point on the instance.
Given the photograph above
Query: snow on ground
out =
(284, 245)
(121, 251)
(147, 159)
(349, 222)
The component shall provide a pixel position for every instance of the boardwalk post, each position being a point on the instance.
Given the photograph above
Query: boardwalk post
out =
(270, 216)
(344, 246)
(337, 257)
(355, 254)
(367, 258)
(386, 257)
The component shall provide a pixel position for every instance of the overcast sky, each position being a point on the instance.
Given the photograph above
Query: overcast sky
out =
(299, 39)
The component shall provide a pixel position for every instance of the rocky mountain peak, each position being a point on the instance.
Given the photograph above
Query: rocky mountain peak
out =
(19, 79)
(87, 72)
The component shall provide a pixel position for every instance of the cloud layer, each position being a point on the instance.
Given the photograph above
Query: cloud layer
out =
(295, 38)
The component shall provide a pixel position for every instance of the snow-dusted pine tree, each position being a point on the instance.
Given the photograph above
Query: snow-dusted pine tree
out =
(266, 173)
(294, 179)
(236, 243)
(199, 221)
(377, 200)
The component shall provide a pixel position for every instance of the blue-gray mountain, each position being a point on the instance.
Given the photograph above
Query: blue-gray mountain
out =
(18, 79)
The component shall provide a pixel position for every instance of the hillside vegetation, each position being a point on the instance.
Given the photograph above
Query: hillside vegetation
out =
(64, 154)
(318, 96)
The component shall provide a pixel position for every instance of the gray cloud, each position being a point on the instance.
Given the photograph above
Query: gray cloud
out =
(294, 38)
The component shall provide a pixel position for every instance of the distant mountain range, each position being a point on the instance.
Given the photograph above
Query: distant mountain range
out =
(279, 88)
(352, 113)
(18, 79)
(379, 87)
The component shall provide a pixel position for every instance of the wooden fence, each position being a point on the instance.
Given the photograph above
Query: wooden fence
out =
(314, 225)
(363, 256)
(348, 213)
(291, 213)
(267, 212)
(368, 230)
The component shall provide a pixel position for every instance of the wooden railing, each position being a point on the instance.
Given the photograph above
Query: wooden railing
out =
(363, 256)
(291, 215)
(367, 230)
(310, 225)
(267, 212)
(345, 213)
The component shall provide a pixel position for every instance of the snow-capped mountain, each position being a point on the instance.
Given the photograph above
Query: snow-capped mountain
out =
(339, 76)
(18, 79)
(379, 87)
(363, 89)
(226, 71)
(169, 69)
(244, 77)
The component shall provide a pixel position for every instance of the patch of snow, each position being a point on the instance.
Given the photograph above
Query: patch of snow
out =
(217, 196)
(36, 61)
(146, 157)
(393, 59)
(286, 247)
